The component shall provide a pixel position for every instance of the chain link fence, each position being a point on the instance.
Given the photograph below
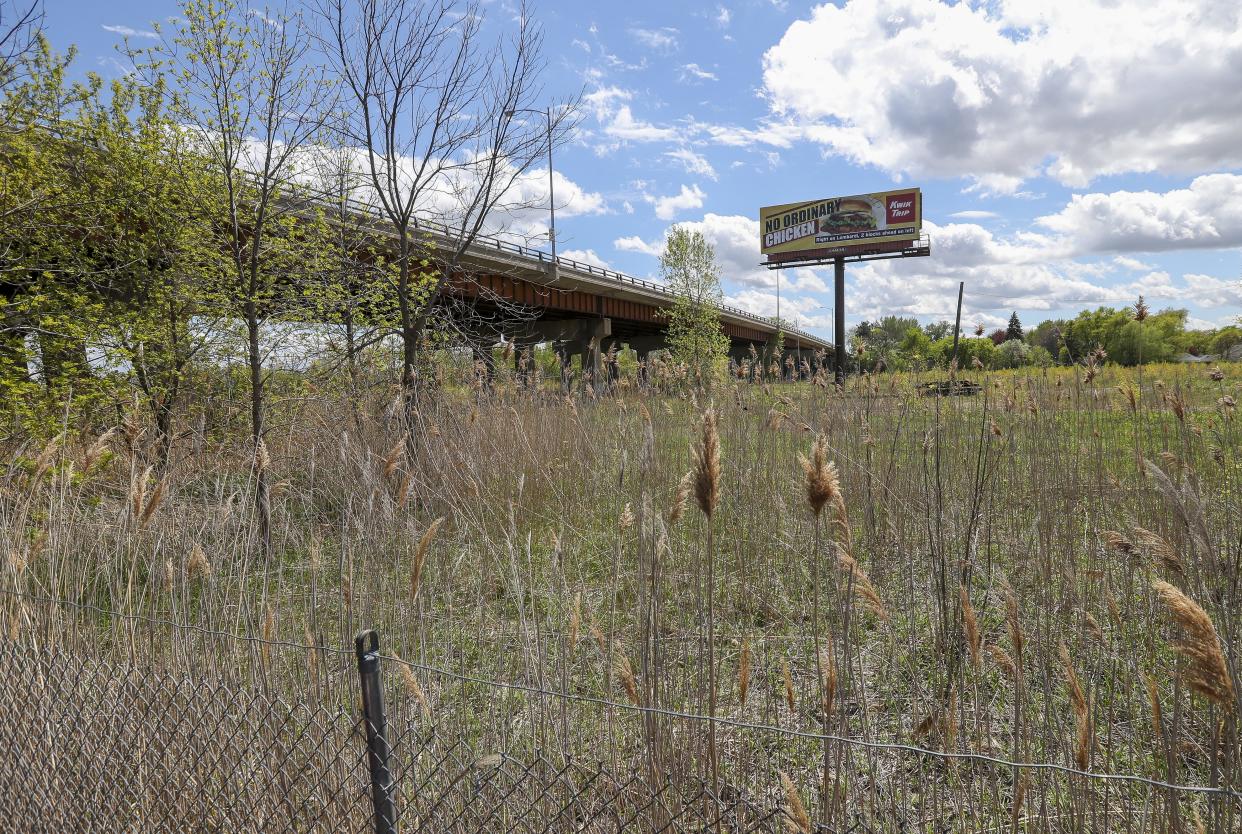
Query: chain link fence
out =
(89, 745)
(139, 733)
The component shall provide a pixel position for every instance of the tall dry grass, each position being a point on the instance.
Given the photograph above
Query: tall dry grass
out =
(1047, 572)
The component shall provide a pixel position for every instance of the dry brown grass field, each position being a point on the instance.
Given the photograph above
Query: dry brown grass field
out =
(804, 594)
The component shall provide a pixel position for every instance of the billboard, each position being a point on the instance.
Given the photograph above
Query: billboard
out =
(841, 225)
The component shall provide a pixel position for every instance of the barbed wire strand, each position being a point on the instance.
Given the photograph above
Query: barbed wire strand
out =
(659, 711)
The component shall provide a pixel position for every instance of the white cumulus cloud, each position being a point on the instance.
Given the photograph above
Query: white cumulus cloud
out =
(693, 162)
(1008, 90)
(689, 197)
(1205, 215)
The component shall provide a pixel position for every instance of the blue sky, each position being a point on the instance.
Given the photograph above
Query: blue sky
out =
(1071, 153)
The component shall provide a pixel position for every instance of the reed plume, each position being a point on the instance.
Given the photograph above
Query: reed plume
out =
(420, 556)
(96, 450)
(1118, 543)
(138, 493)
(410, 681)
(600, 640)
(625, 671)
(1153, 698)
(796, 817)
(1160, 548)
(828, 680)
(950, 722)
(680, 498)
(1013, 624)
(403, 491)
(862, 585)
(787, 679)
(1002, 659)
(393, 459)
(1082, 710)
(707, 466)
(197, 565)
(154, 502)
(1206, 670)
(970, 626)
(822, 481)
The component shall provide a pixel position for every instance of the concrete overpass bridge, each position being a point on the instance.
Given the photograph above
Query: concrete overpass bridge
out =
(581, 308)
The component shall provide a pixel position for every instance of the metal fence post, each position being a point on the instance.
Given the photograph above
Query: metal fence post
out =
(366, 646)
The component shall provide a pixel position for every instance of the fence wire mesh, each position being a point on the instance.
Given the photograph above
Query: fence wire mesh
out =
(138, 733)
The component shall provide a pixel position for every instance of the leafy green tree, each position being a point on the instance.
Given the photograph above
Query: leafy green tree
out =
(1040, 357)
(967, 351)
(50, 250)
(1046, 335)
(1013, 353)
(251, 101)
(695, 338)
(1224, 339)
(915, 344)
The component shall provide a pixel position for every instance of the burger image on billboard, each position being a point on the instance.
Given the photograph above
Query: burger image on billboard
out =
(851, 216)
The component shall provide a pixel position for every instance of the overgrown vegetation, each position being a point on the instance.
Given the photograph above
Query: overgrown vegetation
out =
(874, 609)
(1047, 572)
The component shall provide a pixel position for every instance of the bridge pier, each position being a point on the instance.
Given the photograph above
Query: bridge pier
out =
(524, 362)
(484, 365)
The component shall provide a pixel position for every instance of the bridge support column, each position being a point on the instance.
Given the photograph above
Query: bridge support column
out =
(523, 362)
(484, 365)
(739, 355)
(612, 365)
(564, 353)
(595, 331)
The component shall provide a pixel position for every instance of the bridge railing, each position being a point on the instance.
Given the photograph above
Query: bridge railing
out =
(502, 245)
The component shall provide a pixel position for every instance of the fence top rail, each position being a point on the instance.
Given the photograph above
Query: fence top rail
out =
(885, 746)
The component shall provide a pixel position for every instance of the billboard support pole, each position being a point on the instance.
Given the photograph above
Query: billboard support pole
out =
(839, 318)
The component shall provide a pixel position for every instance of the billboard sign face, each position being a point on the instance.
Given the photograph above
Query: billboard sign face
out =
(841, 225)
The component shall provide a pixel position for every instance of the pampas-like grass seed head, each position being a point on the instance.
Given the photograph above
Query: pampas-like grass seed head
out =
(707, 468)
(797, 820)
(420, 556)
(822, 482)
(1207, 671)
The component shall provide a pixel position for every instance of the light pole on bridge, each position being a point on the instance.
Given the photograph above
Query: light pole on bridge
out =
(547, 113)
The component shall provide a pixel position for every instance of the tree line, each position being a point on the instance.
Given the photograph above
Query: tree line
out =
(1127, 336)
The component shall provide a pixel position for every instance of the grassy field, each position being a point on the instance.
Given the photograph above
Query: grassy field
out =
(972, 575)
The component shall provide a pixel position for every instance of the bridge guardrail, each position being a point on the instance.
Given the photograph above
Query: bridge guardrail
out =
(500, 244)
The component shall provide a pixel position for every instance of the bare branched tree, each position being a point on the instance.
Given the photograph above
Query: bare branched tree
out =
(252, 101)
(21, 23)
(437, 115)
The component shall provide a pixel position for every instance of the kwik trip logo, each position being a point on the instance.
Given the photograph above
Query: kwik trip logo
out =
(842, 221)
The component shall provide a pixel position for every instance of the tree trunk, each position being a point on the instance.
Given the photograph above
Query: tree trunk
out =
(262, 497)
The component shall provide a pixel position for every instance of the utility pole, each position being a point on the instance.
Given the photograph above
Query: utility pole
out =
(551, 193)
(957, 322)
